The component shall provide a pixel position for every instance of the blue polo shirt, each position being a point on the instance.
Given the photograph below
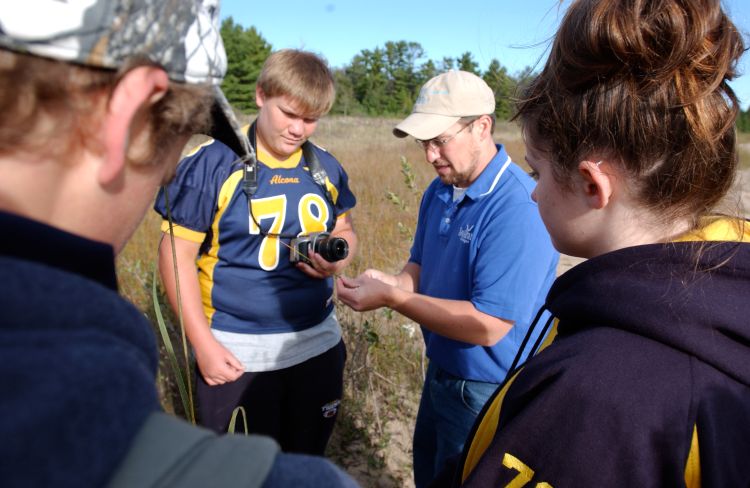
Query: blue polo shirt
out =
(489, 247)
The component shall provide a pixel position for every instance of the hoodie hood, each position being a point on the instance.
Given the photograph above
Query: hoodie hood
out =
(691, 296)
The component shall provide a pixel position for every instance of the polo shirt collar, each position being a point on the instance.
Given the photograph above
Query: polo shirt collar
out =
(487, 182)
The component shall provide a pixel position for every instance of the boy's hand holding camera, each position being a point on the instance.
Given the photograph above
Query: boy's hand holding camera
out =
(319, 255)
(318, 267)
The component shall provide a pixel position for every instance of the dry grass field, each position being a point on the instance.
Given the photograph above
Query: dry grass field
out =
(386, 364)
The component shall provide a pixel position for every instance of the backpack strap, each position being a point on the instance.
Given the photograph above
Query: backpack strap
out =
(170, 452)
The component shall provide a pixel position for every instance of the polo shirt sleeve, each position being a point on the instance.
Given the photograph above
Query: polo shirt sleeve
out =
(194, 191)
(515, 263)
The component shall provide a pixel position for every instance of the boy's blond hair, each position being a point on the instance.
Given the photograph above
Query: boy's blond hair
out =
(302, 76)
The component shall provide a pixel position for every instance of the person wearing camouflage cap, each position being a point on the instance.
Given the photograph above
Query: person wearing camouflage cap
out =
(98, 98)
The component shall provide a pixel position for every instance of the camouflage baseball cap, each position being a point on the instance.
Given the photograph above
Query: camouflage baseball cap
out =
(180, 36)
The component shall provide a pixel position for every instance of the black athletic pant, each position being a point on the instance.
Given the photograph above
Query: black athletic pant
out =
(297, 406)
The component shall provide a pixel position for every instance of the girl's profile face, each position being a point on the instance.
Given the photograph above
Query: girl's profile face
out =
(563, 210)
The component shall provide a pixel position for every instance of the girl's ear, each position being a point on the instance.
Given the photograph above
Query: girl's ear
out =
(598, 184)
(133, 95)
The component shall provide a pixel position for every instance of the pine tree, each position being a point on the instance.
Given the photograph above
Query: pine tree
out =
(466, 63)
(504, 88)
(246, 53)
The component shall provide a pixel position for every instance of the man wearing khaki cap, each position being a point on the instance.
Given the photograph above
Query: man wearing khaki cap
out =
(98, 99)
(480, 265)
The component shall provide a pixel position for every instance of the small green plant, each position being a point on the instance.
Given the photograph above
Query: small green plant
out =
(402, 202)
(395, 199)
(409, 181)
(405, 232)
(371, 336)
(409, 176)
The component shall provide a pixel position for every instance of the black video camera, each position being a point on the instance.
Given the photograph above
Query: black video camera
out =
(331, 248)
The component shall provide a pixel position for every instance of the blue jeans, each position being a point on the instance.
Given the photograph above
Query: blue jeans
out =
(447, 412)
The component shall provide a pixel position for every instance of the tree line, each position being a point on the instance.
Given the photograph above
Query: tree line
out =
(743, 121)
(383, 81)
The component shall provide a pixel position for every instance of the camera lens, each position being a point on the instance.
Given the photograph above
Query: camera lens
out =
(332, 248)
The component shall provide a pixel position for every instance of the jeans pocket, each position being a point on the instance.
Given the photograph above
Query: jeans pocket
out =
(474, 394)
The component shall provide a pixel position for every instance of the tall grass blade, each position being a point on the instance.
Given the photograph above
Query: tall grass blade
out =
(191, 415)
(179, 376)
(233, 421)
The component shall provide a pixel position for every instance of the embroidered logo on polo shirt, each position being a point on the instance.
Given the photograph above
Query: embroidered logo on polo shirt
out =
(465, 233)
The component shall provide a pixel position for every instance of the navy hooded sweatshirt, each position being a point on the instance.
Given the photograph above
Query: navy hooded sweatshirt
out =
(646, 382)
(78, 366)
(77, 361)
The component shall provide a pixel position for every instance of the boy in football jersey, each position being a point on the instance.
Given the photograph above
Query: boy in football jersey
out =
(258, 313)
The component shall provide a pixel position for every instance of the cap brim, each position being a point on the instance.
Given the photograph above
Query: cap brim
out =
(424, 126)
(225, 128)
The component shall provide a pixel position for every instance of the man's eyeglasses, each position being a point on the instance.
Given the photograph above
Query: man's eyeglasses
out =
(438, 142)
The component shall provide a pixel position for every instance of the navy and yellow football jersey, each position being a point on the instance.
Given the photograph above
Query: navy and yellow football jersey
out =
(247, 282)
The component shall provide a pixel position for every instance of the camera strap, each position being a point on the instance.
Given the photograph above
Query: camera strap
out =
(250, 171)
(317, 172)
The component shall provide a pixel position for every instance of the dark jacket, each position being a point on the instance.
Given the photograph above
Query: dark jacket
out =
(645, 384)
(78, 404)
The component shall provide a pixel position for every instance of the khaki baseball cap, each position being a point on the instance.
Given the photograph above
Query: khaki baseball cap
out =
(180, 36)
(443, 100)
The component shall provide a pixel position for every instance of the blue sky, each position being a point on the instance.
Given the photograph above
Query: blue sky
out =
(514, 32)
